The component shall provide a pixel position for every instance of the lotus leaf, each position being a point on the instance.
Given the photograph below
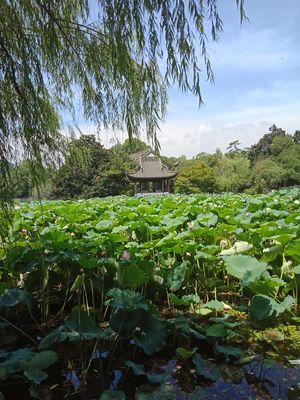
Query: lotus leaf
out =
(216, 330)
(113, 395)
(244, 267)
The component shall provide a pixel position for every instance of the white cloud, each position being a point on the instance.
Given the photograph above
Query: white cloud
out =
(247, 125)
(257, 84)
(193, 134)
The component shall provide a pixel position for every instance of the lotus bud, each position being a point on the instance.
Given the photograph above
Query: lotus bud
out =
(126, 255)
(21, 283)
(286, 267)
(191, 225)
(223, 243)
(133, 236)
(103, 253)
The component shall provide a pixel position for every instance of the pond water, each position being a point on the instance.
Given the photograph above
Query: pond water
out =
(251, 382)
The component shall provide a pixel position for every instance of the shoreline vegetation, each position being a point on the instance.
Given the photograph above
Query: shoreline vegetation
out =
(89, 170)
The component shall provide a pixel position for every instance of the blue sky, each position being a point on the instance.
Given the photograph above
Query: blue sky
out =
(257, 83)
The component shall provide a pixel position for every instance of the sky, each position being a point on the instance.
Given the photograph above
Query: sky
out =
(257, 84)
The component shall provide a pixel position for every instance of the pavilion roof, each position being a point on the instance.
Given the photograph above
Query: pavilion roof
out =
(150, 167)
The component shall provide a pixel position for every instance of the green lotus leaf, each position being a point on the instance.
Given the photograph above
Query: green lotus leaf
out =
(12, 297)
(261, 308)
(125, 322)
(205, 368)
(216, 330)
(288, 302)
(177, 276)
(51, 338)
(152, 334)
(136, 368)
(40, 360)
(36, 375)
(293, 249)
(12, 362)
(242, 266)
(266, 284)
(208, 219)
(229, 351)
(215, 305)
(184, 353)
(126, 299)
(113, 395)
(296, 270)
(156, 377)
(104, 225)
(189, 328)
(185, 300)
(131, 276)
(83, 323)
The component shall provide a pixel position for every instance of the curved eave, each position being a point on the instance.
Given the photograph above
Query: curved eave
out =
(141, 177)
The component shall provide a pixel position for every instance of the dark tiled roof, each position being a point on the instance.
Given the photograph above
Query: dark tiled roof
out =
(151, 168)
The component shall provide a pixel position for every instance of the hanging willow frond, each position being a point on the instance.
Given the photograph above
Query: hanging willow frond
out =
(120, 55)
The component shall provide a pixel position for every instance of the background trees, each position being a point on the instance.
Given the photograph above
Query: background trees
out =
(266, 174)
(90, 170)
(232, 173)
(194, 177)
(262, 148)
(109, 52)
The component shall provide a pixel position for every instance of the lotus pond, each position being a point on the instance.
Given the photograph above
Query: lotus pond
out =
(171, 297)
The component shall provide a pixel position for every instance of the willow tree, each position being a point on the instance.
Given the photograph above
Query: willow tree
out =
(119, 55)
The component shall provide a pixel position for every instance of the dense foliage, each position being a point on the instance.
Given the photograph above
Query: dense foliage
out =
(106, 55)
(195, 177)
(101, 285)
(90, 170)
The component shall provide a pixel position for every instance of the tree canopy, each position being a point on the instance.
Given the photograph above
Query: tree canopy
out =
(119, 56)
(90, 170)
(195, 177)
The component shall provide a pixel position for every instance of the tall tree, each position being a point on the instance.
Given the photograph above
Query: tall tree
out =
(84, 161)
(195, 177)
(263, 148)
(109, 51)
(296, 137)
(210, 159)
(232, 173)
(266, 175)
(233, 147)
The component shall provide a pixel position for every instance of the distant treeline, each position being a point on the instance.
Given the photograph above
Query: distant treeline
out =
(90, 170)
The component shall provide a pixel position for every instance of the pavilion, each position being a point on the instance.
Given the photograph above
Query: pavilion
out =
(151, 176)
